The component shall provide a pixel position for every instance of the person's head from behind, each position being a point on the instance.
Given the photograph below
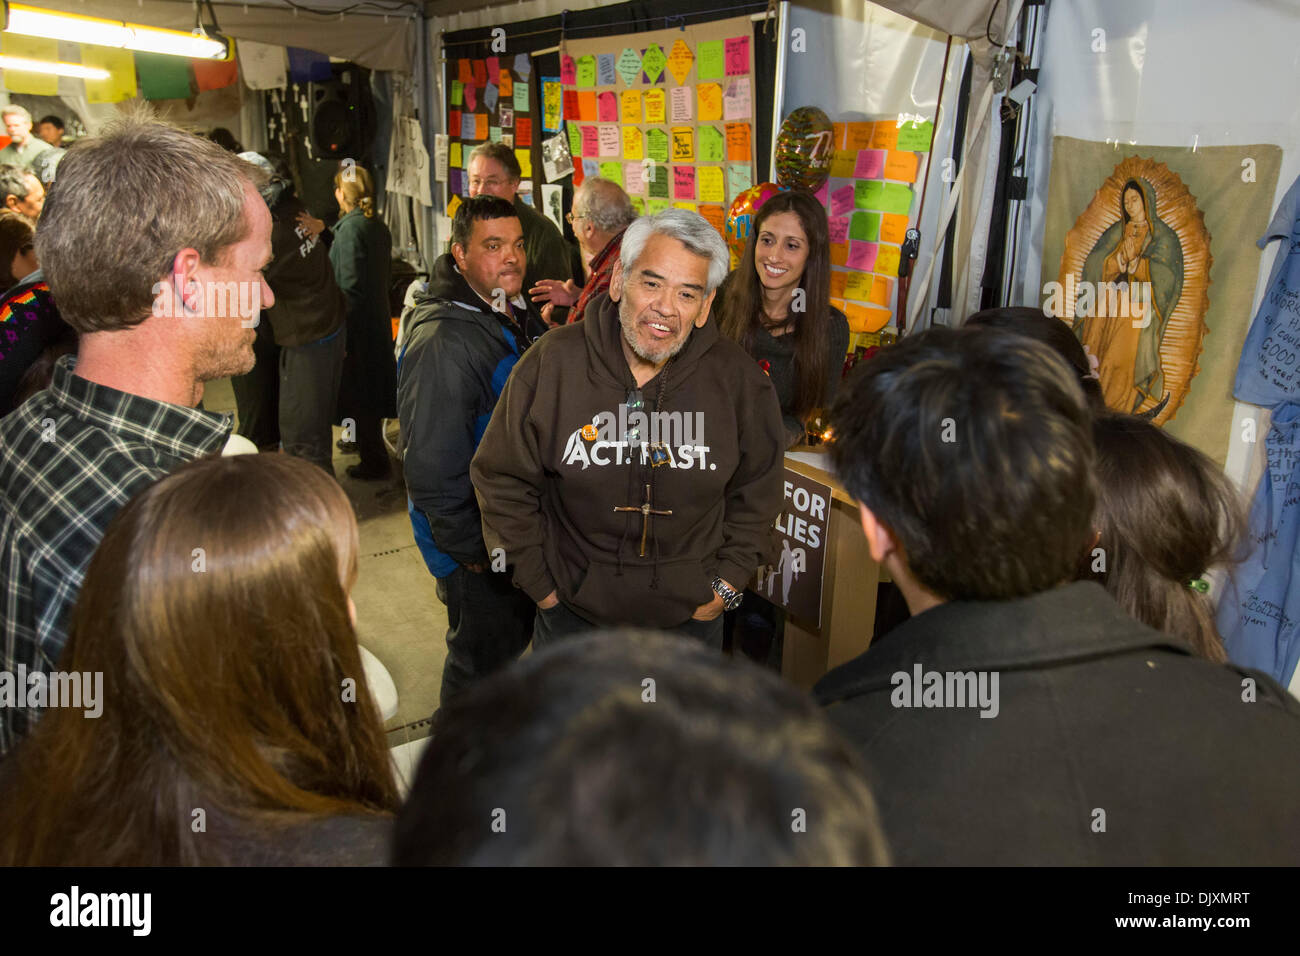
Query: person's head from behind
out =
(636, 748)
(494, 171)
(21, 191)
(970, 453)
(226, 140)
(670, 266)
(1165, 515)
(17, 256)
(1053, 333)
(354, 189)
(216, 607)
(601, 210)
(487, 245)
(156, 230)
(18, 123)
(50, 129)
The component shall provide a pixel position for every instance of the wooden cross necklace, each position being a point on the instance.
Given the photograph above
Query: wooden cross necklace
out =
(658, 456)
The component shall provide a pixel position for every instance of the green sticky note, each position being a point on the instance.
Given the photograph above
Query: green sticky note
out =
(867, 193)
(575, 139)
(629, 66)
(710, 65)
(521, 97)
(494, 133)
(457, 92)
(739, 178)
(865, 226)
(713, 145)
(612, 171)
(653, 63)
(638, 204)
(656, 146)
(916, 138)
(896, 198)
(586, 71)
(654, 206)
(657, 182)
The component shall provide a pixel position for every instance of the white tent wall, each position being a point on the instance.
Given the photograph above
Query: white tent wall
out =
(1174, 73)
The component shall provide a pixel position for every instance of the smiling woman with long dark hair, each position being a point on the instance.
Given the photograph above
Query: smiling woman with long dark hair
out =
(776, 304)
(236, 724)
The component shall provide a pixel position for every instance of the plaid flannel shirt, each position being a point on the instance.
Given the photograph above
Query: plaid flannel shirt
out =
(70, 458)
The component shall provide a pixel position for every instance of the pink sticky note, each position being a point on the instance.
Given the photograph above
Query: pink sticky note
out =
(682, 98)
(493, 68)
(568, 71)
(590, 144)
(842, 201)
(838, 227)
(871, 163)
(862, 256)
(737, 56)
(607, 107)
(683, 182)
(610, 143)
(471, 98)
(822, 194)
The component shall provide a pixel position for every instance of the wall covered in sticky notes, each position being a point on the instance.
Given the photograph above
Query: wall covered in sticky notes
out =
(499, 99)
(871, 198)
(675, 108)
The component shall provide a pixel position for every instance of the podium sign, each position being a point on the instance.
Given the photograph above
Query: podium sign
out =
(795, 581)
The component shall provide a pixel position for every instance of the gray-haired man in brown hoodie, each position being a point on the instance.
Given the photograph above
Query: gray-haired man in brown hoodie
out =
(632, 467)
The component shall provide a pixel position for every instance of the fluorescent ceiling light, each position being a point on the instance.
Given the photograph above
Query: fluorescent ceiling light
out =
(58, 69)
(30, 21)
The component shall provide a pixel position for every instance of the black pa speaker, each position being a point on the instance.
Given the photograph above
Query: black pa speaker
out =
(342, 122)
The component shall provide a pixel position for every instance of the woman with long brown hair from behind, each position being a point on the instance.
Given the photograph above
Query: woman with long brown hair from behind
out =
(236, 725)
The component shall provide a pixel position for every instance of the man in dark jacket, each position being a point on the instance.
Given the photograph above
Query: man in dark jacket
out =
(633, 467)
(464, 335)
(1017, 718)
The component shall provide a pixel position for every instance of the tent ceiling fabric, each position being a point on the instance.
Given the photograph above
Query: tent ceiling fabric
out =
(362, 36)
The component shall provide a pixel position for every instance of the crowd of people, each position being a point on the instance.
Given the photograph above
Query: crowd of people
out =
(1056, 695)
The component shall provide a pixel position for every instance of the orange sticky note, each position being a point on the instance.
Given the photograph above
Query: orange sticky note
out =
(884, 135)
(716, 216)
(839, 253)
(465, 72)
(838, 281)
(480, 126)
(901, 166)
(893, 228)
(838, 303)
(710, 101)
(505, 85)
(588, 111)
(882, 291)
(738, 143)
(859, 136)
(887, 260)
(837, 139)
(631, 106)
(865, 318)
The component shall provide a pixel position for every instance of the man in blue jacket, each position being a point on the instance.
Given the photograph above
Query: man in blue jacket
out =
(464, 336)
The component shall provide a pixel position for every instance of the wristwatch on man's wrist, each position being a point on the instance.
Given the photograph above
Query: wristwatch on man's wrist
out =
(730, 596)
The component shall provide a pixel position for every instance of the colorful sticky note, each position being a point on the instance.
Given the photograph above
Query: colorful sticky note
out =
(506, 84)
(606, 75)
(866, 194)
(887, 260)
(633, 143)
(688, 206)
(494, 133)
(884, 135)
(711, 65)
(457, 92)
(740, 176)
(525, 157)
(613, 171)
(571, 105)
(634, 178)
(590, 141)
(480, 126)
(739, 147)
(739, 101)
(681, 111)
(586, 74)
(893, 228)
(655, 206)
(857, 136)
(895, 198)
(842, 163)
(471, 98)
(454, 121)
(656, 145)
(683, 182)
(882, 290)
(452, 205)
(870, 164)
(568, 71)
(837, 135)
(838, 280)
(455, 156)
(607, 107)
(638, 204)
(900, 165)
(493, 68)
(655, 101)
(711, 183)
(680, 61)
(523, 130)
(590, 168)
(653, 62)
(480, 73)
(710, 100)
(862, 255)
(857, 285)
(839, 253)
(842, 201)
(865, 226)
(490, 97)
(464, 71)
(822, 195)
(657, 183)
(715, 216)
(523, 64)
(575, 138)
(737, 54)
(683, 143)
(467, 126)
(713, 147)
(610, 142)
(866, 318)
(838, 228)
(631, 106)
(629, 65)
(916, 136)
(552, 112)
(588, 111)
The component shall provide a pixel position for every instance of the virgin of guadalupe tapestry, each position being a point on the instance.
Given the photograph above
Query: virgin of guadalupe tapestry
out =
(1149, 256)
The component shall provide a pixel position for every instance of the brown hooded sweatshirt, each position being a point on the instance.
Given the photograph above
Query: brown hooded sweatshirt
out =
(560, 455)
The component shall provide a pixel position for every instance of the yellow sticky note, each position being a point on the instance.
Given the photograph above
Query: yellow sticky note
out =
(711, 184)
(452, 205)
(858, 286)
(683, 144)
(887, 260)
(525, 157)
(633, 143)
(631, 106)
(654, 106)
(710, 97)
(454, 159)
(842, 163)
(689, 206)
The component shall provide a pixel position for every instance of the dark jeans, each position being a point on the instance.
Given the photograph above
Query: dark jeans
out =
(556, 623)
(257, 392)
(755, 630)
(309, 380)
(491, 623)
(370, 443)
